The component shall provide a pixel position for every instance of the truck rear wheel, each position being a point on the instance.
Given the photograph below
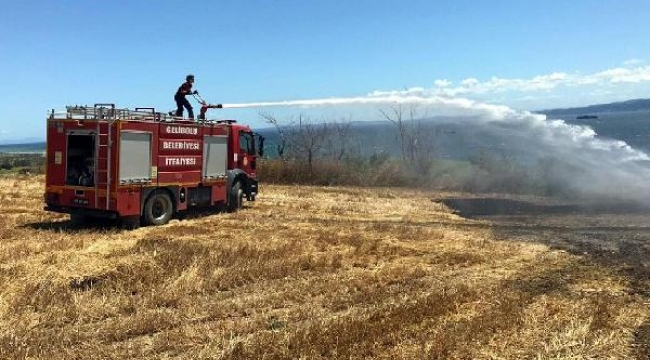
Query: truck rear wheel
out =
(235, 197)
(158, 209)
(79, 219)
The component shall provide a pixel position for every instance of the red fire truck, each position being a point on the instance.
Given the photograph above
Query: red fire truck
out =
(144, 166)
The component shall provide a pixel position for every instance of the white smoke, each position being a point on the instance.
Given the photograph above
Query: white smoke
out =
(591, 165)
(586, 164)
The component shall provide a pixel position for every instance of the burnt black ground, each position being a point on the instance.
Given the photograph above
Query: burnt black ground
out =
(615, 235)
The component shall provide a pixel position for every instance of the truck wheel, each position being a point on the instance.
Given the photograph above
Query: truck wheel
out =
(79, 219)
(158, 209)
(130, 222)
(235, 197)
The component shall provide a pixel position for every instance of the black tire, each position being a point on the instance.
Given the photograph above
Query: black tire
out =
(130, 222)
(235, 197)
(158, 209)
(79, 219)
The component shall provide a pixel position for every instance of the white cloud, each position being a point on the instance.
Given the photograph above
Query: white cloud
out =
(442, 83)
(471, 82)
(541, 83)
(632, 62)
(414, 91)
(626, 75)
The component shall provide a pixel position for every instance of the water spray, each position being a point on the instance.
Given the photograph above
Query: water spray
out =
(603, 167)
(360, 100)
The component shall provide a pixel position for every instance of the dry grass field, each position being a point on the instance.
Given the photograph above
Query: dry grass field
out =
(313, 273)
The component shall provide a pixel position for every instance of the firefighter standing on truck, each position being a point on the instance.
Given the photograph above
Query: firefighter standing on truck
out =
(181, 101)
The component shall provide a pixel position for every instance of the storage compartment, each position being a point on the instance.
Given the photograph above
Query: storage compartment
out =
(215, 155)
(199, 196)
(80, 169)
(135, 157)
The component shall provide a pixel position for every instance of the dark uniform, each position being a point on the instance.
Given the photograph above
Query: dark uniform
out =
(181, 101)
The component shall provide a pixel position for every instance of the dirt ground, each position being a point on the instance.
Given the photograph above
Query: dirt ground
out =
(328, 273)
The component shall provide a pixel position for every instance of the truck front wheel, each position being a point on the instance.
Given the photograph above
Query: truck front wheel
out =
(158, 209)
(235, 197)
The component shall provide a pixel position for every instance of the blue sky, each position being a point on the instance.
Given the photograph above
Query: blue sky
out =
(524, 54)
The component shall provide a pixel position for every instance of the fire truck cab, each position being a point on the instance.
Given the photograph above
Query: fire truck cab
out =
(144, 166)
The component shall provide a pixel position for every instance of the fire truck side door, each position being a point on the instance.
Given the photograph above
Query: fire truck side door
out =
(246, 152)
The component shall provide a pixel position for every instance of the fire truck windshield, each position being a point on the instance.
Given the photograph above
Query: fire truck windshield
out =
(246, 143)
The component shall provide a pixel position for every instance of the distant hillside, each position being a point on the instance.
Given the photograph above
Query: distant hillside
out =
(629, 105)
(24, 140)
(23, 148)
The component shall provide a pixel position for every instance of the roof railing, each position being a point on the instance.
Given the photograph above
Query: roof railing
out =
(109, 112)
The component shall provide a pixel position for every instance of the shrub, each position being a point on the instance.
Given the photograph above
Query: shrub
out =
(484, 173)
